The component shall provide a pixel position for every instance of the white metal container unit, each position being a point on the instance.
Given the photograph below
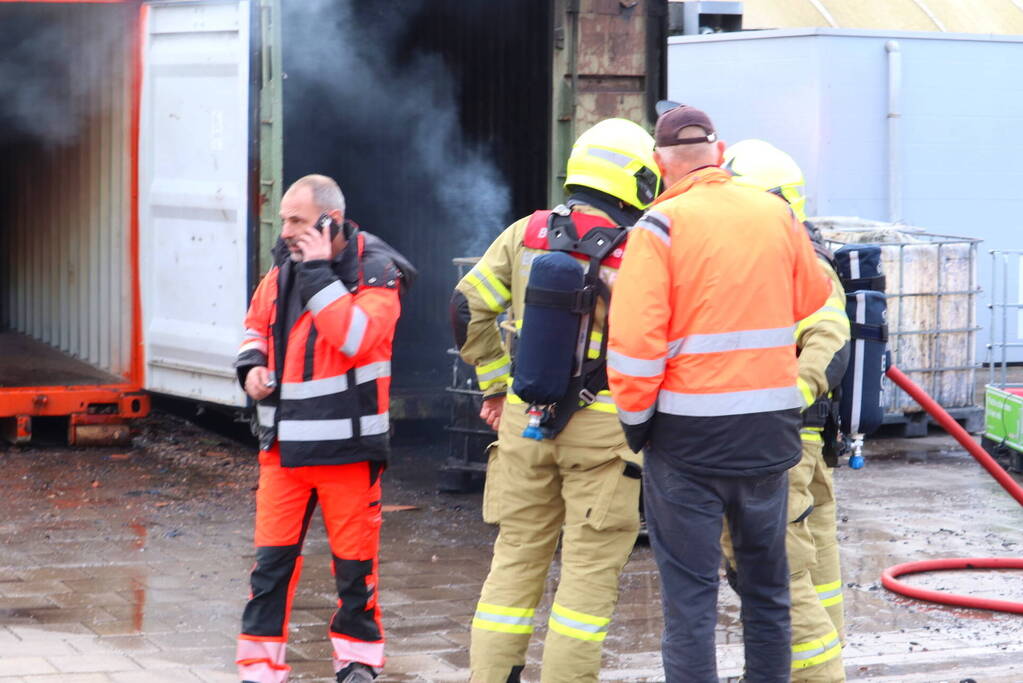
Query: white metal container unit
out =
(124, 244)
(918, 128)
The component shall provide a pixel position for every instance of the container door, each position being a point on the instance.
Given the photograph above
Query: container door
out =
(194, 153)
(609, 58)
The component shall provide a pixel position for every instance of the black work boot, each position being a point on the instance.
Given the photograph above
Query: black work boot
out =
(356, 672)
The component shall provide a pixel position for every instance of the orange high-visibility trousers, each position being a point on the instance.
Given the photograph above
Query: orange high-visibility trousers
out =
(349, 496)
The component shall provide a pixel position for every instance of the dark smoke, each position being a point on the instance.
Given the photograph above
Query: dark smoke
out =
(46, 95)
(364, 104)
(394, 121)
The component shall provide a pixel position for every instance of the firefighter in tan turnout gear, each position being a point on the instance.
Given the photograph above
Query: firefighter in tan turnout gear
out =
(822, 342)
(581, 483)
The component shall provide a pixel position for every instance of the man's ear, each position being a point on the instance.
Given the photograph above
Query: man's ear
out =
(659, 160)
(721, 147)
(337, 216)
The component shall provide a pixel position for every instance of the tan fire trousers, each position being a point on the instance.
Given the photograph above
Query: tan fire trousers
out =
(581, 488)
(815, 578)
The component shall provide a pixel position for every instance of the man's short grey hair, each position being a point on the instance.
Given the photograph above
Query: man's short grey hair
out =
(326, 193)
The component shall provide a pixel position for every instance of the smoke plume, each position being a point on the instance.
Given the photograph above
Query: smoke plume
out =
(366, 104)
(51, 66)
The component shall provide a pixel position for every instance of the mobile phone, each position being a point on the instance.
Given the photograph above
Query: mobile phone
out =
(324, 221)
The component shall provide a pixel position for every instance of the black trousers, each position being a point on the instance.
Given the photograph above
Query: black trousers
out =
(684, 512)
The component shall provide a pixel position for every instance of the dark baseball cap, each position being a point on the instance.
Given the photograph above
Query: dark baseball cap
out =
(673, 117)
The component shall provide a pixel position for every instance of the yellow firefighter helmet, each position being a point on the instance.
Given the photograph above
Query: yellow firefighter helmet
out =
(616, 156)
(763, 166)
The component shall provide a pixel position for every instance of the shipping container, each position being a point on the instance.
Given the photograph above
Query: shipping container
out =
(147, 145)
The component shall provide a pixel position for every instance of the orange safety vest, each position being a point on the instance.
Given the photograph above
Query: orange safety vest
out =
(331, 402)
(702, 358)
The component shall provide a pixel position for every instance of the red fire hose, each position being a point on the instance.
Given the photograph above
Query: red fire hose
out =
(888, 579)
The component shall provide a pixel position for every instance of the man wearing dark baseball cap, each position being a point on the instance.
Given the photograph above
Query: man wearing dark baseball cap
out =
(702, 367)
(673, 117)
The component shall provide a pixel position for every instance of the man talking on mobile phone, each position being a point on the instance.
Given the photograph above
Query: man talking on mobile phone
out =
(317, 360)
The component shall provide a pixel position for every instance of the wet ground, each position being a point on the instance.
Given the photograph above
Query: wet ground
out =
(130, 564)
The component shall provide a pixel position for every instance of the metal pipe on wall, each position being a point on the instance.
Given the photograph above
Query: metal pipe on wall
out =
(894, 130)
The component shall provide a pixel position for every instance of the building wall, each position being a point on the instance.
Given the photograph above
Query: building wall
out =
(822, 96)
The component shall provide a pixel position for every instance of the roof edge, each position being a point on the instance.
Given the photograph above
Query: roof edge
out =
(765, 34)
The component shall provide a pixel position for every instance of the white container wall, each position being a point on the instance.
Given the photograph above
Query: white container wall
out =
(65, 270)
(949, 159)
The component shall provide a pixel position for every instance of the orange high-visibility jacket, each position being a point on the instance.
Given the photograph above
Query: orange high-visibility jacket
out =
(702, 357)
(333, 366)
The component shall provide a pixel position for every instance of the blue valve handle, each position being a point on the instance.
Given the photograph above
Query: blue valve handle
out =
(532, 430)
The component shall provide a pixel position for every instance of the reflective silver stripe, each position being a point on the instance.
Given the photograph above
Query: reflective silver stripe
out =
(733, 341)
(314, 430)
(503, 618)
(729, 403)
(604, 398)
(858, 346)
(615, 158)
(372, 371)
(356, 331)
(675, 346)
(482, 278)
(636, 417)
(254, 333)
(326, 296)
(656, 223)
(824, 595)
(580, 625)
(314, 387)
(265, 415)
(634, 367)
(493, 374)
(374, 424)
(808, 654)
(253, 345)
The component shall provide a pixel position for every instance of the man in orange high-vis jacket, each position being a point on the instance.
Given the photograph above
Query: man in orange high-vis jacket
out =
(702, 365)
(317, 357)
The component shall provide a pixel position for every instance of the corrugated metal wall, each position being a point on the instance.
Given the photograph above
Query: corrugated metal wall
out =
(66, 177)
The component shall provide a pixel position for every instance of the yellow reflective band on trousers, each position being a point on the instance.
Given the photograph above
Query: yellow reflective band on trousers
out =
(811, 434)
(486, 284)
(814, 652)
(498, 371)
(503, 619)
(578, 625)
(830, 593)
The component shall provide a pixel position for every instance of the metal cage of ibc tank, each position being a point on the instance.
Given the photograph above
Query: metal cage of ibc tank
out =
(934, 348)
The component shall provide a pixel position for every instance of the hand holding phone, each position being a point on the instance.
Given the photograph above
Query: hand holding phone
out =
(316, 242)
(325, 221)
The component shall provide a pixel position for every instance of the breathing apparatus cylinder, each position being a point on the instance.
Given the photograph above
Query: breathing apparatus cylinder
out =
(545, 352)
(861, 408)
